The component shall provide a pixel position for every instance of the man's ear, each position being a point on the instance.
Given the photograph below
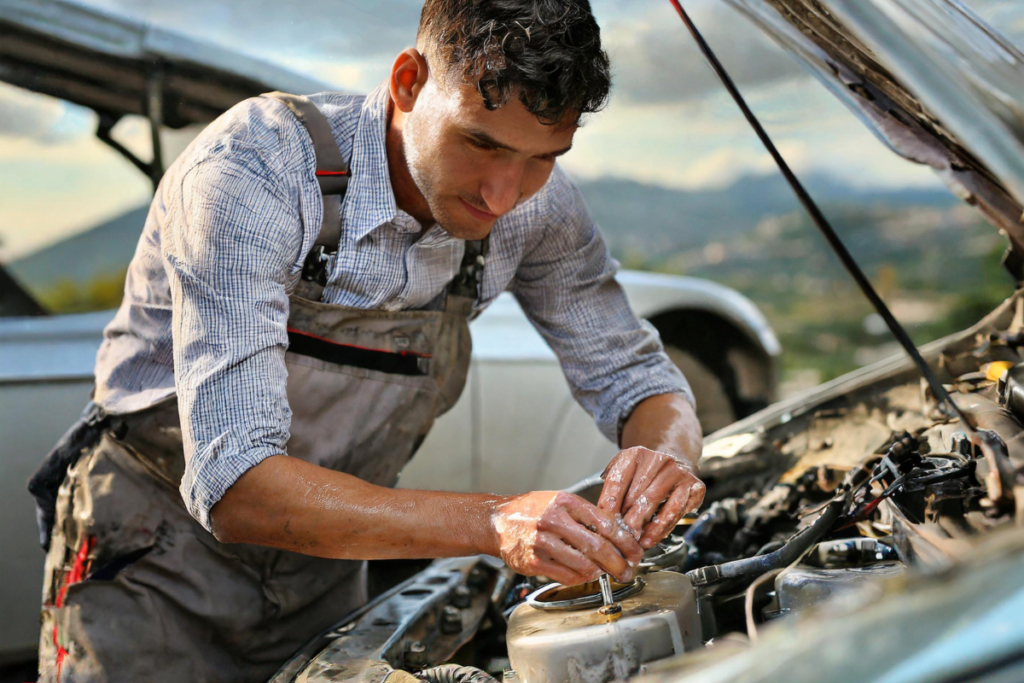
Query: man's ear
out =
(408, 77)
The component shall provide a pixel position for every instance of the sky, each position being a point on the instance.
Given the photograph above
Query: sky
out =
(669, 121)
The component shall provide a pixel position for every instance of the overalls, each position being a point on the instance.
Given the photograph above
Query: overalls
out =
(137, 590)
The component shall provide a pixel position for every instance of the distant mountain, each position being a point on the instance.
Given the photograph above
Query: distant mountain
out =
(100, 251)
(633, 216)
(645, 218)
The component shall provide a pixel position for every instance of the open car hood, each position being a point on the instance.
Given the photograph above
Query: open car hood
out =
(930, 78)
(109, 63)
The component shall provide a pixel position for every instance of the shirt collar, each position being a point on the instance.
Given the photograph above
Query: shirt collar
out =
(370, 200)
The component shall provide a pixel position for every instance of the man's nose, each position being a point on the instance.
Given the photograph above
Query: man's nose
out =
(503, 189)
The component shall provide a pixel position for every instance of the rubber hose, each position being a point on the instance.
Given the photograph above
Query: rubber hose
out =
(455, 673)
(784, 556)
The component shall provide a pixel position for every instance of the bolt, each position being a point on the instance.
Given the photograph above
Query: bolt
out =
(477, 577)
(462, 597)
(451, 620)
(415, 654)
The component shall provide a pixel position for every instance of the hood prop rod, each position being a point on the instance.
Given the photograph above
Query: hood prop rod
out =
(818, 218)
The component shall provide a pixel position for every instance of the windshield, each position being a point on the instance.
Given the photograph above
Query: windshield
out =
(670, 170)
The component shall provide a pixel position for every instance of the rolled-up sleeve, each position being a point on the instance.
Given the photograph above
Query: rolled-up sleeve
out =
(231, 251)
(566, 285)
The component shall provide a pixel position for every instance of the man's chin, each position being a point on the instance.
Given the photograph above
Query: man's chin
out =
(469, 233)
(468, 228)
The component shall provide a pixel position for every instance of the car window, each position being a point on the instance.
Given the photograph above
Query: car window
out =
(71, 208)
(671, 172)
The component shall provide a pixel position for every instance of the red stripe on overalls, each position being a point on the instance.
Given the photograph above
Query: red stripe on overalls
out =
(292, 330)
(78, 572)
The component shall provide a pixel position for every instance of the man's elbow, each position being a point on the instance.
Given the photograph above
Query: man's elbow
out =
(243, 515)
(224, 521)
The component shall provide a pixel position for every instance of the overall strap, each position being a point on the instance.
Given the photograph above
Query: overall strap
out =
(470, 278)
(332, 173)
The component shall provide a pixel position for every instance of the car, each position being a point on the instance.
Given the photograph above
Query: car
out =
(865, 530)
(104, 61)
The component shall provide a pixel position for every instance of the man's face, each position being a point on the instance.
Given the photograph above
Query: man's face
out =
(473, 165)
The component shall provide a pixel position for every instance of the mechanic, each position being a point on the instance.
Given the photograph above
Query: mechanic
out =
(295, 318)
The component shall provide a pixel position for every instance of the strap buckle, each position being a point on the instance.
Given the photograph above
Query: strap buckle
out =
(314, 268)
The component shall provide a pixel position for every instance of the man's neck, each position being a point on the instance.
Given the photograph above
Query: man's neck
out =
(407, 196)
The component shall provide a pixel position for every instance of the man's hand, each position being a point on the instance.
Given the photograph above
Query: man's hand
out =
(652, 491)
(562, 536)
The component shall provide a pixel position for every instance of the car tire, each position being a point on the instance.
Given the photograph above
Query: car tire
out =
(714, 408)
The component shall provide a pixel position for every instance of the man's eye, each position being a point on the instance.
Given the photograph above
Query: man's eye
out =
(481, 145)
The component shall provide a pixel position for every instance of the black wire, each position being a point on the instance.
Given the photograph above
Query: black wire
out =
(822, 223)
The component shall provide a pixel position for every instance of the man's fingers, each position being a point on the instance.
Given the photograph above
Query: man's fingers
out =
(558, 572)
(648, 502)
(681, 501)
(597, 549)
(617, 479)
(648, 467)
(610, 527)
(552, 548)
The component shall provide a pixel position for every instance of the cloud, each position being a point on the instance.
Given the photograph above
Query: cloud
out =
(46, 120)
(654, 58)
(656, 61)
(723, 166)
(276, 31)
(51, 191)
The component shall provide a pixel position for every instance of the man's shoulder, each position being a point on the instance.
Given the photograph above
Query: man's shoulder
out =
(263, 134)
(338, 105)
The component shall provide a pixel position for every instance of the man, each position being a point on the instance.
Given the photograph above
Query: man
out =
(277, 395)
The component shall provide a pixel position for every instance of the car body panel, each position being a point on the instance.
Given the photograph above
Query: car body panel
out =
(106, 62)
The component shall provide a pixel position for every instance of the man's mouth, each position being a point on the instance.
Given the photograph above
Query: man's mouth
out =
(477, 213)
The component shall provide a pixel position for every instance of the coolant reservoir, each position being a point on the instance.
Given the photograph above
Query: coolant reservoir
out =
(558, 635)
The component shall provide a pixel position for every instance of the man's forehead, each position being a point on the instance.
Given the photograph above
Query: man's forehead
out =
(511, 121)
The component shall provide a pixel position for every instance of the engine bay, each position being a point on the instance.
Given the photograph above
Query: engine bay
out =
(822, 498)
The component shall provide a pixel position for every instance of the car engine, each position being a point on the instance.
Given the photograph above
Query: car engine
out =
(830, 497)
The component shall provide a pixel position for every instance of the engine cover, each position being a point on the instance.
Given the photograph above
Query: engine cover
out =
(580, 646)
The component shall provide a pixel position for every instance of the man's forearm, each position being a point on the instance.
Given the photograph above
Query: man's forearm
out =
(666, 423)
(287, 503)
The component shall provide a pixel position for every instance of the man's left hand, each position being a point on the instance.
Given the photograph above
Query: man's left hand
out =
(652, 490)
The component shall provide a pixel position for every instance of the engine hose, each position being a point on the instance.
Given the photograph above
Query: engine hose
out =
(784, 556)
(455, 673)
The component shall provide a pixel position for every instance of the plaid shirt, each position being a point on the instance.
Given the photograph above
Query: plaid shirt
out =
(206, 299)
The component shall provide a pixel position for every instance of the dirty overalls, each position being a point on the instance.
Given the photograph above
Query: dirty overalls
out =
(137, 590)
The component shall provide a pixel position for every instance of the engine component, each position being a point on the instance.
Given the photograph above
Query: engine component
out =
(849, 552)
(454, 673)
(414, 625)
(755, 566)
(670, 553)
(556, 597)
(800, 587)
(580, 646)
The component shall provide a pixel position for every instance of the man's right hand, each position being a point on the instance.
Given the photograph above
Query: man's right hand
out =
(563, 537)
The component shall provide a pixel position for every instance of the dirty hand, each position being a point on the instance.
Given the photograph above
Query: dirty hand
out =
(651, 490)
(562, 536)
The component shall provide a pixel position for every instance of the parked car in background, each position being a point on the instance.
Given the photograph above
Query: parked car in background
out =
(516, 426)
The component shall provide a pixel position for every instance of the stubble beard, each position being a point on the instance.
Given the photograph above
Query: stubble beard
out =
(424, 183)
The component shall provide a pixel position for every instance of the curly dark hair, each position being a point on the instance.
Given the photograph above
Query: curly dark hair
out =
(546, 52)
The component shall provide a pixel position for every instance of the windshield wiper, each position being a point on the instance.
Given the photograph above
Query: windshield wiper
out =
(818, 218)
